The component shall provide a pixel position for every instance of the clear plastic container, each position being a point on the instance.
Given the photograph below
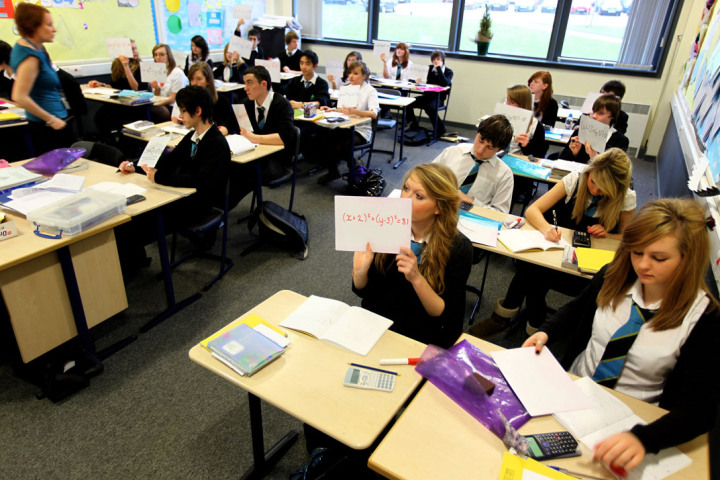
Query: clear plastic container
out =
(76, 214)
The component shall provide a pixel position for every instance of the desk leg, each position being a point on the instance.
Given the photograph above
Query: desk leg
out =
(258, 196)
(402, 141)
(437, 119)
(172, 306)
(76, 305)
(263, 462)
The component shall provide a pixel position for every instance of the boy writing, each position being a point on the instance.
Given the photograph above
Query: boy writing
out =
(484, 179)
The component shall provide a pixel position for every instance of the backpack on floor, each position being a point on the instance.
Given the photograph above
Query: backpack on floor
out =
(285, 229)
(364, 182)
(416, 137)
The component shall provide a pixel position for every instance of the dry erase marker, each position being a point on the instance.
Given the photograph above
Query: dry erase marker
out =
(375, 369)
(399, 361)
(129, 164)
(538, 347)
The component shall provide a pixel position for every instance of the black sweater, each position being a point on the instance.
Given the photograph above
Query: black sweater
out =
(692, 389)
(393, 297)
(317, 92)
(536, 146)
(549, 116)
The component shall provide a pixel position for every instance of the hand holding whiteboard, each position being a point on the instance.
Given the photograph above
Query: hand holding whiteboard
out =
(119, 46)
(242, 46)
(589, 101)
(272, 66)
(348, 96)
(151, 71)
(383, 222)
(519, 118)
(380, 47)
(594, 132)
(418, 72)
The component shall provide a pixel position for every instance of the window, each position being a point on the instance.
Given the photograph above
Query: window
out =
(622, 34)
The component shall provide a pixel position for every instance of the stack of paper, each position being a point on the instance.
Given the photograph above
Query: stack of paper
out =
(239, 144)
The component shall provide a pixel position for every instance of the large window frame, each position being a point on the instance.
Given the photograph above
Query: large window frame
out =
(554, 57)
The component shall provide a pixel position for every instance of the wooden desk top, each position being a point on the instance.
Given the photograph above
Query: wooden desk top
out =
(436, 438)
(550, 258)
(307, 380)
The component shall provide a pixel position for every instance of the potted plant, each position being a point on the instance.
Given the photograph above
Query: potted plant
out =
(484, 34)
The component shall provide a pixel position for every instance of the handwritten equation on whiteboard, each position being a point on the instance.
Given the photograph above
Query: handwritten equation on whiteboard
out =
(384, 222)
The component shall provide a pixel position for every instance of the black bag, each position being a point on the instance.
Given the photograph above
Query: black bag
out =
(371, 184)
(416, 137)
(280, 227)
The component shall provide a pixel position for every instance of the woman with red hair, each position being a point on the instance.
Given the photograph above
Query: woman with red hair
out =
(544, 106)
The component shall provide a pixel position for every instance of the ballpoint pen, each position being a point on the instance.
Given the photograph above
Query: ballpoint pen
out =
(555, 221)
(129, 164)
(375, 369)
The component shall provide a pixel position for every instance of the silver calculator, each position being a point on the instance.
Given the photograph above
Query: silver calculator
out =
(368, 379)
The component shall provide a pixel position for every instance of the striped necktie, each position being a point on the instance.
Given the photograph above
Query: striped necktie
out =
(261, 117)
(471, 176)
(613, 359)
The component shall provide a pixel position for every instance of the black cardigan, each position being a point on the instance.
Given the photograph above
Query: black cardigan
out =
(393, 297)
(692, 389)
(549, 116)
(224, 116)
(317, 92)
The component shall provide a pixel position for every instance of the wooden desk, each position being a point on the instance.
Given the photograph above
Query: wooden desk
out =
(560, 136)
(98, 97)
(436, 438)
(550, 258)
(229, 87)
(306, 382)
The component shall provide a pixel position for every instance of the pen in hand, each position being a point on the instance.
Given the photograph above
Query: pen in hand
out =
(555, 221)
(129, 164)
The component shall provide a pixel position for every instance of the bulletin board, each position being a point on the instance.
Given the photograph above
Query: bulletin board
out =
(180, 20)
(83, 26)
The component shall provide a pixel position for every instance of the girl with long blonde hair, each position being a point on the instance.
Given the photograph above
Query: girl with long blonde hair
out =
(422, 289)
(647, 325)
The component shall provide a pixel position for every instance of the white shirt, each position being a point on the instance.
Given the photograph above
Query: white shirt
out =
(494, 184)
(312, 80)
(196, 138)
(652, 356)
(367, 100)
(571, 180)
(266, 104)
(176, 80)
(404, 75)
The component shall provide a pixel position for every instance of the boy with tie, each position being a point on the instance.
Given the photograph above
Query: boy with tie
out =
(290, 57)
(484, 179)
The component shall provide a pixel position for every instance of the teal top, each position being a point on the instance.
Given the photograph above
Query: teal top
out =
(46, 91)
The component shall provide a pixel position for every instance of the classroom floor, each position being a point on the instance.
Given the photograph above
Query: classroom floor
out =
(153, 413)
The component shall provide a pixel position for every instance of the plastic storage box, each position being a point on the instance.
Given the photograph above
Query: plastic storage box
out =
(76, 214)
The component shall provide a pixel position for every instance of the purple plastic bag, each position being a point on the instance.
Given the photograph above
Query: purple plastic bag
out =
(49, 163)
(452, 372)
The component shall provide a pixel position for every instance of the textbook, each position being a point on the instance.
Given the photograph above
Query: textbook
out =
(333, 321)
(244, 349)
(141, 128)
(528, 240)
(590, 260)
(8, 118)
(14, 176)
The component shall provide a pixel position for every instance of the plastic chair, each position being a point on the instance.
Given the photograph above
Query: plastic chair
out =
(215, 220)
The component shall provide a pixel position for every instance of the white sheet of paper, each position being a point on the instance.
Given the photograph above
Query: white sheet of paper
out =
(380, 47)
(594, 132)
(127, 189)
(150, 71)
(384, 222)
(588, 103)
(119, 46)
(273, 67)
(519, 117)
(153, 150)
(239, 144)
(242, 11)
(242, 116)
(348, 96)
(334, 67)
(539, 381)
(243, 46)
(478, 233)
(64, 182)
(418, 71)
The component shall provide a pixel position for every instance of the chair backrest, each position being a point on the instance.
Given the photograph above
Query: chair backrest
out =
(102, 153)
(389, 91)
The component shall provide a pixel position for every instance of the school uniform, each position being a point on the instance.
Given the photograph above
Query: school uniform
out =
(314, 90)
(224, 115)
(670, 368)
(615, 140)
(621, 122)
(230, 72)
(549, 116)
(536, 146)
(290, 59)
(429, 101)
(189, 61)
(398, 72)
(176, 81)
(257, 53)
(493, 185)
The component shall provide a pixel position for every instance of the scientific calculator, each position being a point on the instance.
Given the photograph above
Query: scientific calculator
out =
(543, 446)
(368, 379)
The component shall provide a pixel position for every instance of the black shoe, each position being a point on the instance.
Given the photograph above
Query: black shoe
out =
(328, 177)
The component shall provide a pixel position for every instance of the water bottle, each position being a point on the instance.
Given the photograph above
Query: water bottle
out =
(569, 124)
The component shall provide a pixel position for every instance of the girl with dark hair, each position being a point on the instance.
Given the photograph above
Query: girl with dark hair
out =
(352, 57)
(199, 52)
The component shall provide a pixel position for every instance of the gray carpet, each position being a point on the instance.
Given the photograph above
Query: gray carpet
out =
(155, 414)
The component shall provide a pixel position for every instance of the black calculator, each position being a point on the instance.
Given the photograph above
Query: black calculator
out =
(581, 239)
(467, 206)
(543, 446)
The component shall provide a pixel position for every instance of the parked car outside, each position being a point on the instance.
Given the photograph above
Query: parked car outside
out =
(548, 6)
(610, 7)
(582, 7)
(525, 5)
(502, 5)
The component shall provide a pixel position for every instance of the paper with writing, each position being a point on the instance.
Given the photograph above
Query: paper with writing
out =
(594, 132)
(519, 118)
(539, 381)
(380, 47)
(418, 71)
(243, 46)
(273, 67)
(119, 46)
(589, 101)
(384, 222)
(348, 96)
(334, 67)
(150, 71)
(153, 150)
(242, 117)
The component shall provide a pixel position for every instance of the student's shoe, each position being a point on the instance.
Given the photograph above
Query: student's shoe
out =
(496, 323)
(328, 177)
